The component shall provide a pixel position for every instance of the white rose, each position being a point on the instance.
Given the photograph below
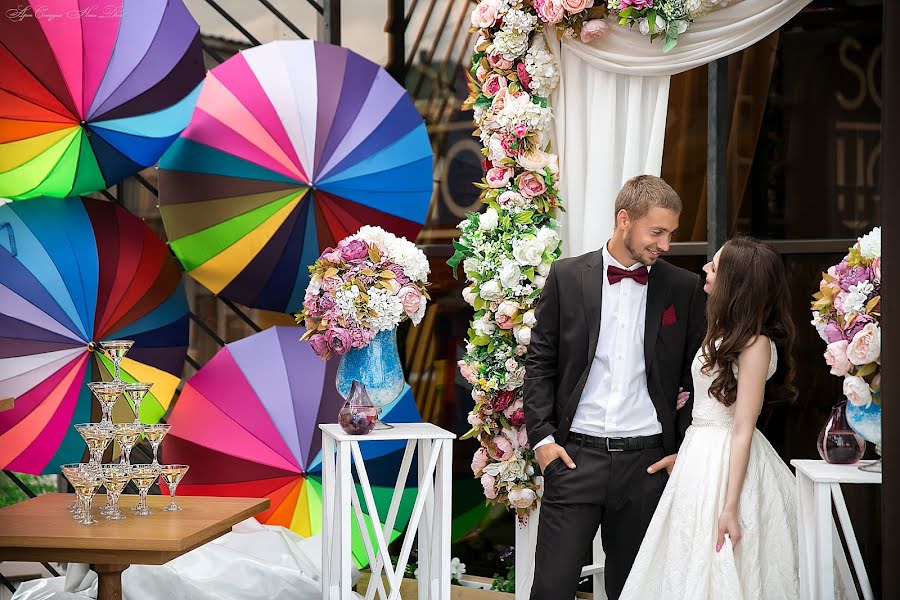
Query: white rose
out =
(522, 497)
(528, 319)
(533, 160)
(819, 324)
(865, 347)
(543, 269)
(509, 274)
(471, 265)
(488, 220)
(469, 294)
(549, 237)
(528, 251)
(496, 152)
(539, 281)
(644, 26)
(523, 335)
(508, 308)
(857, 390)
(483, 326)
(490, 290)
(870, 244)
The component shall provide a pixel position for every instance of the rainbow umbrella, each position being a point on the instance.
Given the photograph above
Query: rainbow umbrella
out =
(91, 91)
(73, 272)
(247, 423)
(292, 147)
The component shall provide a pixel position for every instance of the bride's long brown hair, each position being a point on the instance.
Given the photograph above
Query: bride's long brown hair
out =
(750, 297)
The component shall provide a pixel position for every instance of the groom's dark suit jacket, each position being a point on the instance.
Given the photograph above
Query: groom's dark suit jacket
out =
(565, 337)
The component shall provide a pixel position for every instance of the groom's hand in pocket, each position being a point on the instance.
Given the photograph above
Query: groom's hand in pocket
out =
(547, 453)
(667, 463)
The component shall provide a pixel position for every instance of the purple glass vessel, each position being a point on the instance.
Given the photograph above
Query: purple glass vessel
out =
(838, 444)
(358, 415)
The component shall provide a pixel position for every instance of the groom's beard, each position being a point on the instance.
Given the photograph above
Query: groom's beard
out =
(645, 258)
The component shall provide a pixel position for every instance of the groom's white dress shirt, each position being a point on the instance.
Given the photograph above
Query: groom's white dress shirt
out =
(615, 401)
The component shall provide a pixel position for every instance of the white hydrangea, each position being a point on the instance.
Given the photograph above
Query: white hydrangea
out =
(387, 308)
(520, 109)
(519, 20)
(509, 43)
(541, 65)
(399, 249)
(870, 244)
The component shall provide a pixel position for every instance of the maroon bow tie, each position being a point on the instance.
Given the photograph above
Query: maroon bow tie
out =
(615, 274)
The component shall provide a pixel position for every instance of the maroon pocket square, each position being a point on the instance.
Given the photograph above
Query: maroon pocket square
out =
(668, 317)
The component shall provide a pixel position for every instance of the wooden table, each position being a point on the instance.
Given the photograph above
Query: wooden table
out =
(41, 529)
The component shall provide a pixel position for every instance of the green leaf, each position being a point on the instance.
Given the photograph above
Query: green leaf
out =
(454, 261)
(481, 340)
(524, 217)
(483, 101)
(478, 303)
(651, 20)
(670, 43)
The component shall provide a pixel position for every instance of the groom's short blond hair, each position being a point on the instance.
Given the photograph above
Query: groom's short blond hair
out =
(643, 192)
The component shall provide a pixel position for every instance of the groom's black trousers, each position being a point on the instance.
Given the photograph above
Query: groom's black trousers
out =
(610, 489)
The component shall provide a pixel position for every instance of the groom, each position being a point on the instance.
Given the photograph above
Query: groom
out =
(617, 330)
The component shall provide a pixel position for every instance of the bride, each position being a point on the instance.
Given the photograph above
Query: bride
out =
(725, 527)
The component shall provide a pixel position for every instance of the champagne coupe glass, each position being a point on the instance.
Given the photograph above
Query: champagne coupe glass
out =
(155, 434)
(85, 481)
(115, 477)
(97, 437)
(107, 393)
(74, 507)
(173, 475)
(135, 392)
(127, 435)
(144, 476)
(116, 350)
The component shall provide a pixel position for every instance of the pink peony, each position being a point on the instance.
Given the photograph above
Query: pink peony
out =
(637, 4)
(517, 419)
(499, 62)
(865, 347)
(354, 250)
(836, 358)
(523, 436)
(524, 76)
(486, 165)
(833, 333)
(854, 276)
(479, 460)
(857, 390)
(876, 269)
(520, 130)
(511, 145)
(550, 11)
(474, 419)
(319, 345)
(493, 84)
(498, 177)
(504, 321)
(360, 337)
(330, 284)
(338, 340)
(503, 400)
(411, 298)
(593, 29)
(510, 199)
(574, 7)
(468, 371)
(488, 482)
(522, 497)
(503, 448)
(485, 14)
(530, 185)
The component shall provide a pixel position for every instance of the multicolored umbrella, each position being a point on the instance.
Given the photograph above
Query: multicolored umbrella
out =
(73, 272)
(292, 147)
(247, 423)
(91, 91)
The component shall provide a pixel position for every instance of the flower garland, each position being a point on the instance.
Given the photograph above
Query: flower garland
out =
(506, 252)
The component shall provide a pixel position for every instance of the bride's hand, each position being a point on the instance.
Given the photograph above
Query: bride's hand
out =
(728, 524)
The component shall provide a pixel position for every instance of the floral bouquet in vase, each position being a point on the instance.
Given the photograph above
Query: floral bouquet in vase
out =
(847, 314)
(358, 294)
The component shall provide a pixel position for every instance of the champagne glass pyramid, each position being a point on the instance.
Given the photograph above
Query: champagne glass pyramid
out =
(135, 392)
(107, 393)
(155, 434)
(116, 351)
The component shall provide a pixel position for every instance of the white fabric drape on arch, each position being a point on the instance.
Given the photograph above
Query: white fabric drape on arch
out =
(610, 106)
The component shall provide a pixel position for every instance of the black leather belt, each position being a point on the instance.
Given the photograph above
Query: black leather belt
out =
(618, 444)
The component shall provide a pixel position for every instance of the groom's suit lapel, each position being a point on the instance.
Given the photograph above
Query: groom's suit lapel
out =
(657, 291)
(592, 288)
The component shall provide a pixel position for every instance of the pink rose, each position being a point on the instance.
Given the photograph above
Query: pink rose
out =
(468, 371)
(503, 448)
(493, 84)
(485, 14)
(530, 185)
(511, 145)
(474, 419)
(338, 340)
(833, 333)
(498, 103)
(523, 436)
(836, 358)
(522, 497)
(319, 345)
(411, 298)
(504, 321)
(498, 177)
(354, 250)
(510, 199)
(479, 461)
(360, 337)
(638, 4)
(520, 130)
(524, 76)
(593, 29)
(576, 6)
(865, 347)
(857, 390)
(550, 11)
(488, 482)
(497, 61)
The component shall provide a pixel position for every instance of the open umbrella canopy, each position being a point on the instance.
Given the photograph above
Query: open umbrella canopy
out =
(91, 91)
(74, 272)
(292, 147)
(247, 423)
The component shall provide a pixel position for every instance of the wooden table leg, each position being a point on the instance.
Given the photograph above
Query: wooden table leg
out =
(109, 581)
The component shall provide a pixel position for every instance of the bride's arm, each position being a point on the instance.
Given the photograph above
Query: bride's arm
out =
(753, 365)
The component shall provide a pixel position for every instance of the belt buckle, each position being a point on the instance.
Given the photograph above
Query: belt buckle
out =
(613, 449)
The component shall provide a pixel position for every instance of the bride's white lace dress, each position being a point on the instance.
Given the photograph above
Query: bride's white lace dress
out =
(678, 558)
